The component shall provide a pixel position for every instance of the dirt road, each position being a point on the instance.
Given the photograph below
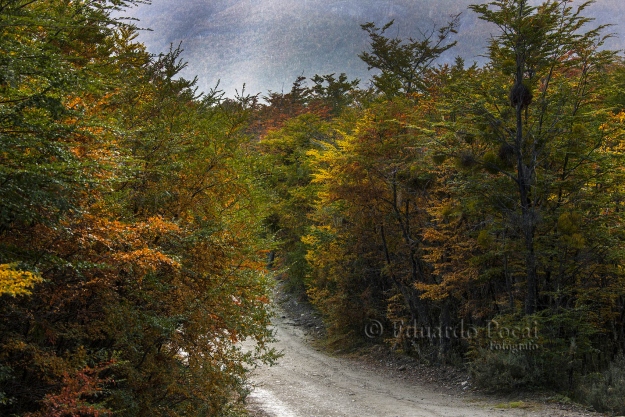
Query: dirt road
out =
(307, 383)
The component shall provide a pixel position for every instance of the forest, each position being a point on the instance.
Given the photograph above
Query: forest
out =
(474, 213)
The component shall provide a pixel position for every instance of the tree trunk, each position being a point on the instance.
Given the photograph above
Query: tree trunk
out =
(445, 323)
(417, 307)
(528, 213)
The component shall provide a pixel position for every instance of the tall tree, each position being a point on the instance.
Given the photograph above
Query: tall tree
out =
(536, 44)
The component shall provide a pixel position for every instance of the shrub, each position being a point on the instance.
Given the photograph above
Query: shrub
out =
(605, 391)
(507, 371)
(545, 350)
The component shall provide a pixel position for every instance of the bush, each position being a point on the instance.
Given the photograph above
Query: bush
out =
(545, 350)
(605, 391)
(507, 371)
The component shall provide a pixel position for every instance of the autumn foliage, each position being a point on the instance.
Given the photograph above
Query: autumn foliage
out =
(455, 195)
(129, 227)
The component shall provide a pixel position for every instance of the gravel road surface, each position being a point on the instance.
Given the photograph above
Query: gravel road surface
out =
(309, 383)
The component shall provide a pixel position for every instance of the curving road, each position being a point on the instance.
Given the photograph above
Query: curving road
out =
(308, 383)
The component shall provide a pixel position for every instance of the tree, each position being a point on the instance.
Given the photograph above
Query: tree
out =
(337, 93)
(403, 63)
(537, 44)
(371, 202)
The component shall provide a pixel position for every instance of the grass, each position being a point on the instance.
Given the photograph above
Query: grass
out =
(514, 404)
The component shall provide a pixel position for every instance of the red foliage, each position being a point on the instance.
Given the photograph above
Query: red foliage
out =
(78, 395)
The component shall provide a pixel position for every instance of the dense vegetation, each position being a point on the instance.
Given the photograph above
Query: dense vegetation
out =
(128, 210)
(475, 212)
(453, 197)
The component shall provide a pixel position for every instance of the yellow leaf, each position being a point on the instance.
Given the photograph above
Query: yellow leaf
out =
(15, 282)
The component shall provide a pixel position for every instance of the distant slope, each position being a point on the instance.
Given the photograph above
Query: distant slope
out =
(267, 43)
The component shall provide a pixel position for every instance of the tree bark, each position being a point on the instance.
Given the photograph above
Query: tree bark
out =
(528, 213)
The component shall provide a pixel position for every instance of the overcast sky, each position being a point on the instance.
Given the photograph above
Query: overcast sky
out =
(268, 43)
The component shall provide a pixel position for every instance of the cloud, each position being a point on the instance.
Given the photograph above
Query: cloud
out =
(267, 43)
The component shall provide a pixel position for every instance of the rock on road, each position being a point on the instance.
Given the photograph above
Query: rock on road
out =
(307, 383)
